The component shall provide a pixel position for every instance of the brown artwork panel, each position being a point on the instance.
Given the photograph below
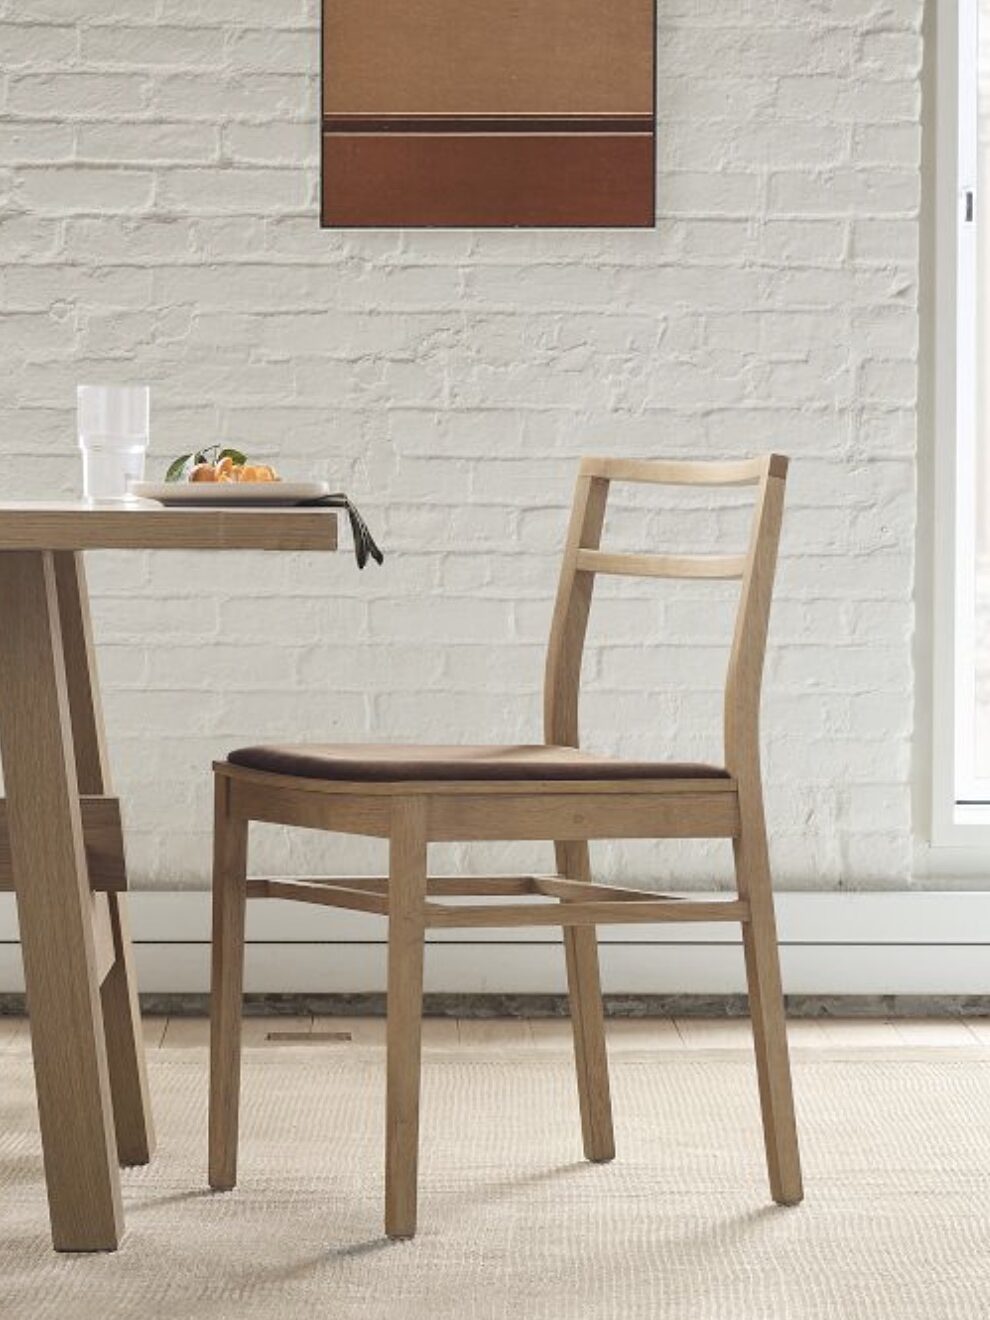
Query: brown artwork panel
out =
(487, 179)
(461, 57)
(488, 113)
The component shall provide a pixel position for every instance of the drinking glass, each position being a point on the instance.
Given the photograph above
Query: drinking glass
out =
(113, 437)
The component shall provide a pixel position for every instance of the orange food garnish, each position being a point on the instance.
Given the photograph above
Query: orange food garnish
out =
(227, 470)
(255, 472)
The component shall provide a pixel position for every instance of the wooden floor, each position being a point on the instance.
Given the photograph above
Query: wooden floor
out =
(555, 1033)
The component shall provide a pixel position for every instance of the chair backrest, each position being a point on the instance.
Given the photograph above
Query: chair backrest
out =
(584, 558)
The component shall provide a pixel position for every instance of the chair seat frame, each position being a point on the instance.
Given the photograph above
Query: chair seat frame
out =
(411, 815)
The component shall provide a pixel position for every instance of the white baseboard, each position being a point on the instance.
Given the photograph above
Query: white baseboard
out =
(927, 943)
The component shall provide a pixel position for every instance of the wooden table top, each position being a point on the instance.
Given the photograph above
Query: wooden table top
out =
(76, 525)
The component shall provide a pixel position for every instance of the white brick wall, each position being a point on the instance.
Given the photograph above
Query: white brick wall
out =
(158, 222)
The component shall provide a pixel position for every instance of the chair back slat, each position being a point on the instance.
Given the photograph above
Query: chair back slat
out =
(677, 472)
(661, 566)
(584, 559)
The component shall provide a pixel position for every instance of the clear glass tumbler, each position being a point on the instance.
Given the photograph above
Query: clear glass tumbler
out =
(113, 436)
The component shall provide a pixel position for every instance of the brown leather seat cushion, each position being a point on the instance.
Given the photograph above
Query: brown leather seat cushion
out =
(389, 763)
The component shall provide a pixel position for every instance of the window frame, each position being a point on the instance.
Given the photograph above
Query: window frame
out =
(957, 820)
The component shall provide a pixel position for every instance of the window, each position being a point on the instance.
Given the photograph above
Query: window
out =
(962, 426)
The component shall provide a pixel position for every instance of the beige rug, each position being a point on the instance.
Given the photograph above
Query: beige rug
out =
(896, 1224)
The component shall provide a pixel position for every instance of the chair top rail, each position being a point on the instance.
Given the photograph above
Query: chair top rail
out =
(675, 472)
(661, 566)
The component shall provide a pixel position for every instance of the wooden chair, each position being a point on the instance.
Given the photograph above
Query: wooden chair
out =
(413, 796)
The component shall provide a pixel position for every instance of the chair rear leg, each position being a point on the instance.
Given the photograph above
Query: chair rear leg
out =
(587, 1016)
(766, 1006)
(227, 986)
(406, 932)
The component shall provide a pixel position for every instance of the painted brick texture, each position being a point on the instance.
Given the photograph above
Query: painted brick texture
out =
(158, 222)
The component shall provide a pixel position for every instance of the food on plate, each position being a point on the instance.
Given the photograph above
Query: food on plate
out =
(219, 465)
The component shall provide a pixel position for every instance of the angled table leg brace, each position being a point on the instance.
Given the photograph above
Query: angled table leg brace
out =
(51, 746)
(121, 1013)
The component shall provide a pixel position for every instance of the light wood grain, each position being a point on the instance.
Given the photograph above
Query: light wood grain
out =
(980, 1029)
(184, 1033)
(860, 1033)
(438, 1033)
(806, 1033)
(452, 885)
(14, 1033)
(677, 472)
(103, 842)
(327, 895)
(270, 1033)
(406, 931)
(766, 1008)
(554, 886)
(510, 1035)
(103, 941)
(744, 677)
(661, 566)
(125, 1044)
(153, 1027)
(752, 862)
(472, 812)
(79, 526)
(443, 885)
(479, 816)
(252, 798)
(572, 608)
(715, 1033)
(82, 685)
(642, 1034)
(414, 813)
(940, 1034)
(583, 914)
(54, 907)
(121, 1014)
(57, 846)
(226, 986)
(587, 1014)
(598, 903)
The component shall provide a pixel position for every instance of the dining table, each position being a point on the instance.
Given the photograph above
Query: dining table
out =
(62, 839)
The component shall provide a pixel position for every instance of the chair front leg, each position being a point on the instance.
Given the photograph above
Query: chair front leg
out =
(587, 1017)
(766, 1006)
(406, 934)
(227, 985)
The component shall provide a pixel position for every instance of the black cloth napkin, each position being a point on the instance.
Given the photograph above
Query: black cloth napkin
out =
(365, 546)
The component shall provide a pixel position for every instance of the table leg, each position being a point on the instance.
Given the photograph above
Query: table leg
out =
(54, 907)
(121, 1014)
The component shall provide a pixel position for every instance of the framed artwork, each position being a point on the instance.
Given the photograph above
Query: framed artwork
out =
(454, 113)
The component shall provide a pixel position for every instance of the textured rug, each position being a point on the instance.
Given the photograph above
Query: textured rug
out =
(896, 1224)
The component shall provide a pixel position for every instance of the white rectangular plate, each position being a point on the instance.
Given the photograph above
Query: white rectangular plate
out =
(187, 493)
